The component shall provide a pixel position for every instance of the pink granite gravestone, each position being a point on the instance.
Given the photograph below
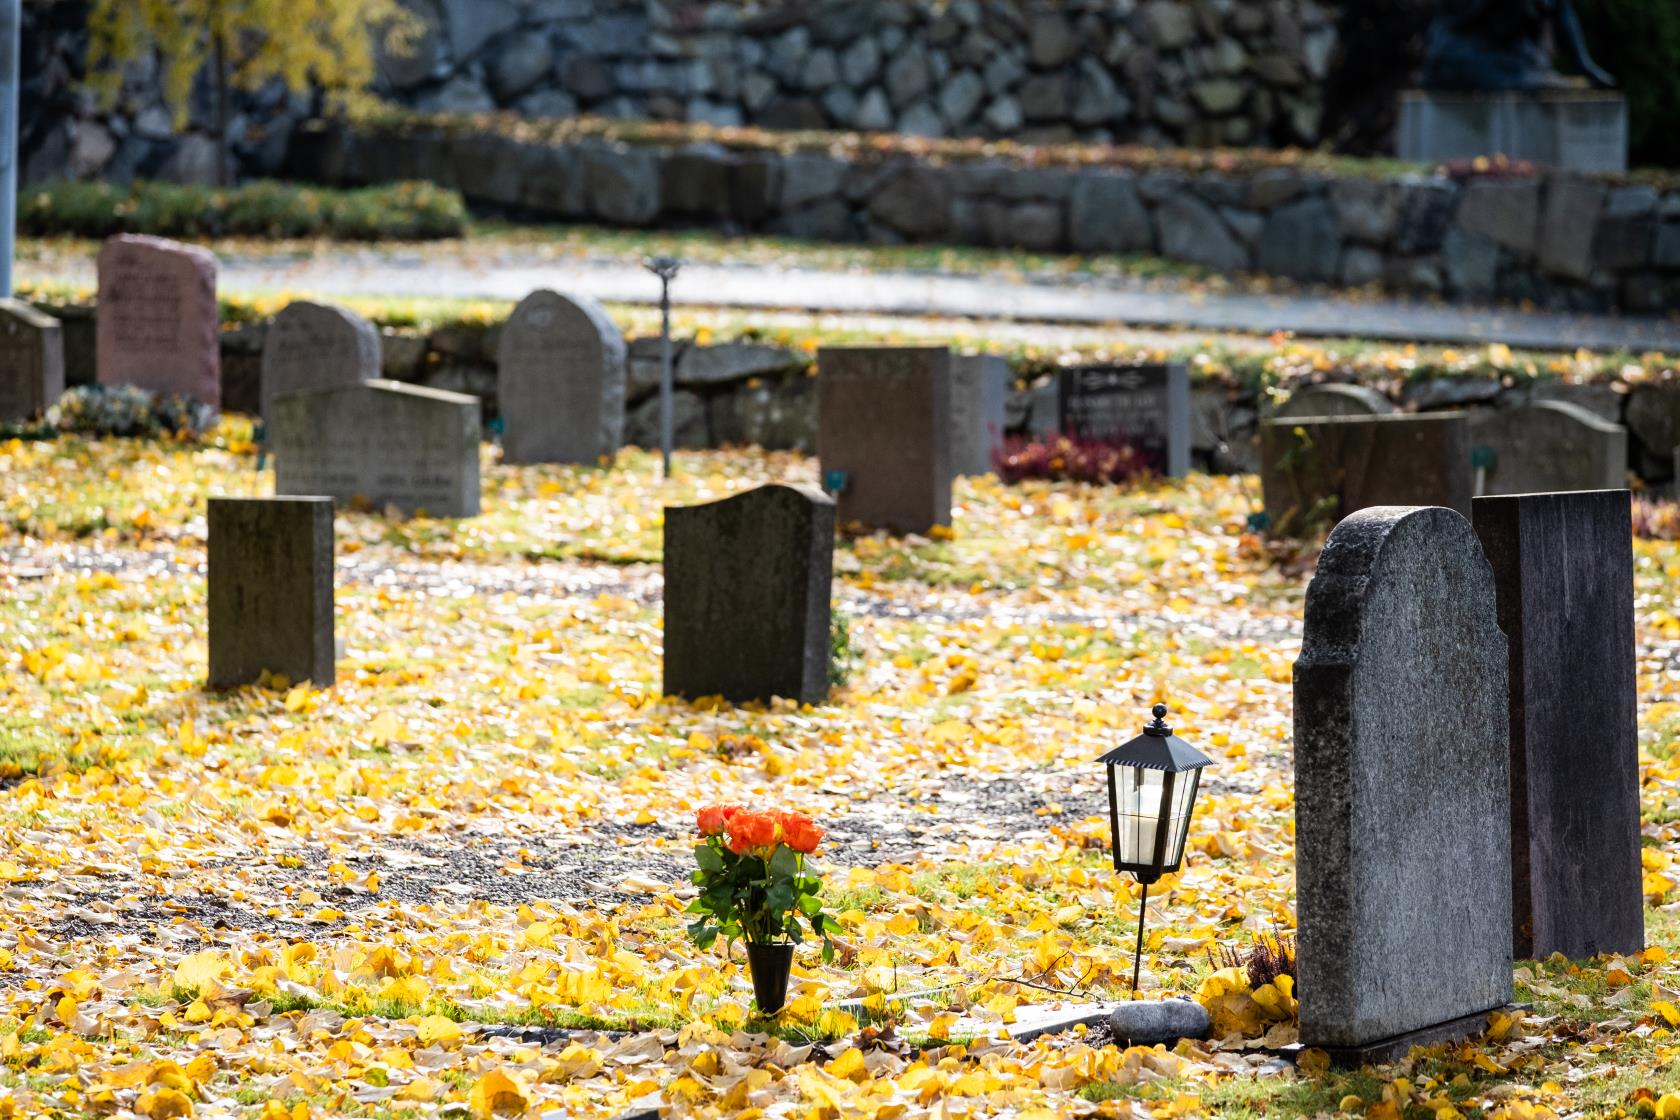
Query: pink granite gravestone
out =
(158, 323)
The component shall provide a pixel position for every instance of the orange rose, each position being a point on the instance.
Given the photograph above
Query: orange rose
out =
(801, 833)
(714, 818)
(752, 830)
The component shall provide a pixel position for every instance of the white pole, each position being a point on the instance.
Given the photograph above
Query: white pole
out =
(11, 29)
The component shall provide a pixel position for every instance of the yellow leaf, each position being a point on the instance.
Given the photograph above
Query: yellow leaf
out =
(200, 969)
(1670, 1013)
(848, 1065)
(496, 1094)
(164, 1103)
(435, 1028)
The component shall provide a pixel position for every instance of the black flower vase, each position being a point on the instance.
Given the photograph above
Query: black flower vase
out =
(770, 966)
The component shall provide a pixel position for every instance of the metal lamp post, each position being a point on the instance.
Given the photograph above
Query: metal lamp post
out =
(11, 30)
(1152, 785)
(666, 269)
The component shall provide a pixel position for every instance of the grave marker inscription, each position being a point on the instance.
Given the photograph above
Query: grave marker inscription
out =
(158, 326)
(1145, 405)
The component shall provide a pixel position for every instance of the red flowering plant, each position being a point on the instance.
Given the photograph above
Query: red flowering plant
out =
(754, 882)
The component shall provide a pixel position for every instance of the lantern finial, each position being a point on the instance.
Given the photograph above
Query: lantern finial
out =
(1159, 728)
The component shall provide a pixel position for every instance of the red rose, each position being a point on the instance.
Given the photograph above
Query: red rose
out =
(712, 819)
(800, 833)
(752, 830)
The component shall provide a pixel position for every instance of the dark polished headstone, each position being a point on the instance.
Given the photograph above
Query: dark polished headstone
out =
(747, 587)
(1147, 406)
(271, 590)
(1563, 567)
(884, 435)
(1401, 792)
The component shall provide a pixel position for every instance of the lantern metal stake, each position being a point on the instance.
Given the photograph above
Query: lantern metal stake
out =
(1149, 808)
(666, 269)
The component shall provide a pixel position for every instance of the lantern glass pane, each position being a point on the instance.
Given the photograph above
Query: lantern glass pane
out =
(1140, 813)
(1183, 803)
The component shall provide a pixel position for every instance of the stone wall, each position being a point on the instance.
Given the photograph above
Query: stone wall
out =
(1556, 240)
(754, 394)
(1196, 72)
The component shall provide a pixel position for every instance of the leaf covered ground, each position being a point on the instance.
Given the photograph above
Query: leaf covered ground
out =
(453, 884)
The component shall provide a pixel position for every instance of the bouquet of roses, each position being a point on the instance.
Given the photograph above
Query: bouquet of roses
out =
(754, 882)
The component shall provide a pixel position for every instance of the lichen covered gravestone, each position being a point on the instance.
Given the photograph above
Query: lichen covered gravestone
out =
(271, 590)
(560, 381)
(317, 346)
(747, 587)
(884, 435)
(31, 361)
(1403, 851)
(158, 324)
(1563, 567)
(380, 442)
(979, 393)
(1317, 470)
(1333, 399)
(1547, 446)
(1147, 406)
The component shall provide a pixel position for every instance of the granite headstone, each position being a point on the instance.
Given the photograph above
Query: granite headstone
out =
(884, 435)
(1563, 569)
(560, 381)
(1403, 851)
(271, 590)
(380, 442)
(1547, 446)
(979, 392)
(1147, 406)
(1316, 470)
(1333, 399)
(317, 346)
(158, 324)
(747, 588)
(31, 361)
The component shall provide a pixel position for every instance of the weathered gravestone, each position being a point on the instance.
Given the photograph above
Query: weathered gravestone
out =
(1403, 856)
(1147, 406)
(271, 590)
(560, 381)
(1547, 446)
(884, 435)
(317, 346)
(381, 442)
(158, 325)
(1563, 569)
(1316, 470)
(1332, 399)
(747, 586)
(31, 361)
(979, 391)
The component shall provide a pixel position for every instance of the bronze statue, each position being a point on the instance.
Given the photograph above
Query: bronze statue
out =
(1505, 45)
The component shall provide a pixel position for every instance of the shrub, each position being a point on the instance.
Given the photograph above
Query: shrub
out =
(123, 410)
(1069, 458)
(1270, 958)
(409, 211)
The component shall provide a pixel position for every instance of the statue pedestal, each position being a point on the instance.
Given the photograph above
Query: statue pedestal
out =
(1582, 130)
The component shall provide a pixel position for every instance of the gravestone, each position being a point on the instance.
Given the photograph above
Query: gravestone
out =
(1563, 569)
(1147, 406)
(979, 392)
(271, 590)
(1316, 470)
(1547, 446)
(158, 325)
(747, 588)
(1401, 795)
(380, 442)
(1331, 399)
(31, 361)
(884, 435)
(560, 381)
(316, 346)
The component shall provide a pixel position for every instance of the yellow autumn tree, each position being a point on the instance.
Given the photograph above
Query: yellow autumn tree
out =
(321, 44)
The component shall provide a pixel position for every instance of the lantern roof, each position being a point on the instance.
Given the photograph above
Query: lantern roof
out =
(1157, 749)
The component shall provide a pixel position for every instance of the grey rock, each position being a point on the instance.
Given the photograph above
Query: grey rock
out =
(1561, 567)
(1303, 241)
(270, 590)
(915, 202)
(808, 177)
(1097, 99)
(622, 184)
(1414, 274)
(1046, 97)
(588, 78)
(1149, 1022)
(689, 424)
(787, 54)
(1425, 210)
(1471, 263)
(1218, 96)
(1401, 637)
(473, 23)
(1105, 215)
(861, 62)
(1567, 224)
(1505, 211)
(1188, 229)
(1366, 209)
(548, 104)
(1168, 24)
(874, 113)
(422, 57)
(460, 94)
(1035, 226)
(960, 97)
(821, 69)
(91, 150)
(748, 581)
(921, 119)
(1051, 40)
(1361, 265)
(714, 113)
(1003, 72)
(717, 365)
(777, 415)
(1003, 116)
(1278, 70)
(610, 35)
(154, 122)
(908, 76)
(1273, 186)
(757, 91)
(841, 105)
(520, 63)
(1245, 224)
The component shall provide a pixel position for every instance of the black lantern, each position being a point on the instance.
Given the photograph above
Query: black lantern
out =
(1152, 784)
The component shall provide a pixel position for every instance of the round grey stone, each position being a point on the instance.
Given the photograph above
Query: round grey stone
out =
(1146, 1022)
